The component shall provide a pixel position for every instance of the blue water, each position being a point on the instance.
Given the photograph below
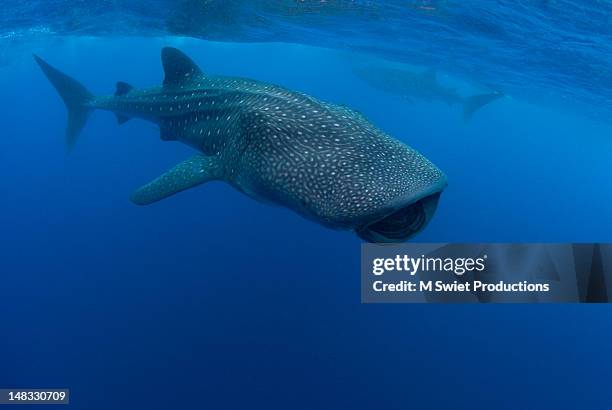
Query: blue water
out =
(211, 300)
(556, 52)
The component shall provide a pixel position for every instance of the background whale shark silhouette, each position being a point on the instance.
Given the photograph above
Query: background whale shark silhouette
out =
(423, 86)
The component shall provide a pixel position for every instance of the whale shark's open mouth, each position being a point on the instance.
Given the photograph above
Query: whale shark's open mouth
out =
(402, 224)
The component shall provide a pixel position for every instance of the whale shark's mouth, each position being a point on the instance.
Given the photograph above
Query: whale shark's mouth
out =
(402, 224)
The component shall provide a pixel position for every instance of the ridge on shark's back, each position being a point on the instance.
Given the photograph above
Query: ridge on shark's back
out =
(326, 162)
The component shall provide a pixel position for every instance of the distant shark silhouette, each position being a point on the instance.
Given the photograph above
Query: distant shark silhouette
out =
(323, 161)
(423, 86)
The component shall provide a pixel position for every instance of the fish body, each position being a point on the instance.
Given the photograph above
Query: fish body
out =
(422, 86)
(326, 162)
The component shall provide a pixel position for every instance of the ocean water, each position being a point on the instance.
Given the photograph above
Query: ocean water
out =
(209, 299)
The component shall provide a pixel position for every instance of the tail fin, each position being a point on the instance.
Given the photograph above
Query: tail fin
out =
(75, 97)
(476, 102)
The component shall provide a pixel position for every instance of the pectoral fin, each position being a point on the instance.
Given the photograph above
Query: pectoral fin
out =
(187, 174)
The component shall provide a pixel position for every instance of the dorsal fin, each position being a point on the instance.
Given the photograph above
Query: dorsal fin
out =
(178, 68)
(123, 88)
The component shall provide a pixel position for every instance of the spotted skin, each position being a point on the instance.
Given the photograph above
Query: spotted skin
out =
(324, 161)
(189, 173)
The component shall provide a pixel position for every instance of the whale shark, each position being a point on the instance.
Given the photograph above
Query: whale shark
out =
(326, 162)
(423, 86)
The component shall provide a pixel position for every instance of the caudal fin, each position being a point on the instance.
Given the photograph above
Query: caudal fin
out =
(476, 102)
(75, 96)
